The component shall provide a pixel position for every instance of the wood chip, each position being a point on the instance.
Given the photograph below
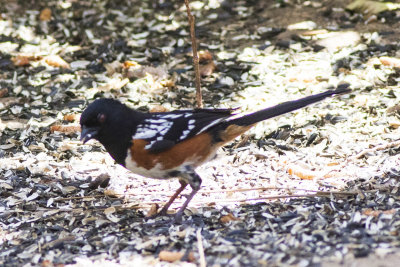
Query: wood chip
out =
(301, 173)
(205, 55)
(67, 129)
(56, 61)
(170, 256)
(71, 117)
(390, 61)
(45, 14)
(208, 69)
(21, 60)
(3, 92)
(153, 210)
(159, 108)
(376, 213)
(228, 218)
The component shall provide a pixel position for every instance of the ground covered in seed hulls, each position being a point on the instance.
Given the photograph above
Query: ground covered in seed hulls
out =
(315, 187)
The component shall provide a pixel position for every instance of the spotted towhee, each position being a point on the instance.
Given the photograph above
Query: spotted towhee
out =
(166, 145)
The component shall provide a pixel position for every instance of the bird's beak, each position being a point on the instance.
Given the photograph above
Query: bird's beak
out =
(88, 133)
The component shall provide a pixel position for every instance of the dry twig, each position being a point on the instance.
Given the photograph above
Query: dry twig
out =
(145, 205)
(201, 248)
(191, 19)
(376, 148)
(317, 192)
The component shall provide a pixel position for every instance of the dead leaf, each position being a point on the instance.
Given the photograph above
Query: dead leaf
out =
(56, 61)
(390, 61)
(128, 64)
(3, 92)
(47, 263)
(167, 83)
(45, 14)
(67, 129)
(71, 117)
(228, 218)
(153, 210)
(376, 213)
(170, 256)
(191, 257)
(301, 173)
(111, 193)
(205, 55)
(21, 60)
(159, 108)
(208, 69)
(333, 163)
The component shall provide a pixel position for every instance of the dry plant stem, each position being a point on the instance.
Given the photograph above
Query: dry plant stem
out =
(143, 205)
(191, 19)
(376, 148)
(232, 191)
(200, 248)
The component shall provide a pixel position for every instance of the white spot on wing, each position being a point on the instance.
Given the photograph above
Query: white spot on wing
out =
(170, 116)
(145, 133)
(211, 124)
(152, 128)
(163, 132)
(159, 121)
(184, 134)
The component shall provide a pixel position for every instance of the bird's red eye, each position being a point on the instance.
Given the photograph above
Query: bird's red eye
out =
(101, 118)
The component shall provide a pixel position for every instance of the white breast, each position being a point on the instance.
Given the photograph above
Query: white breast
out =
(156, 172)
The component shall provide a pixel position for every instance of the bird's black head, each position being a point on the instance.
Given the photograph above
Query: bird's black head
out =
(111, 123)
(97, 117)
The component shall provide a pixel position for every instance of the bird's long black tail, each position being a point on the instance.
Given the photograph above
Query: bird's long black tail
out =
(285, 107)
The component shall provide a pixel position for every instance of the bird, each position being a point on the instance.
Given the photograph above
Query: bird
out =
(165, 145)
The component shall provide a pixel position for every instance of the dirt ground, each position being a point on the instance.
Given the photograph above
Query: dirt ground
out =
(316, 187)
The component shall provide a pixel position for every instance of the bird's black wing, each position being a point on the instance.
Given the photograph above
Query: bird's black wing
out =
(164, 130)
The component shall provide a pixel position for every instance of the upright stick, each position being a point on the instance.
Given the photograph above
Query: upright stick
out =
(191, 19)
